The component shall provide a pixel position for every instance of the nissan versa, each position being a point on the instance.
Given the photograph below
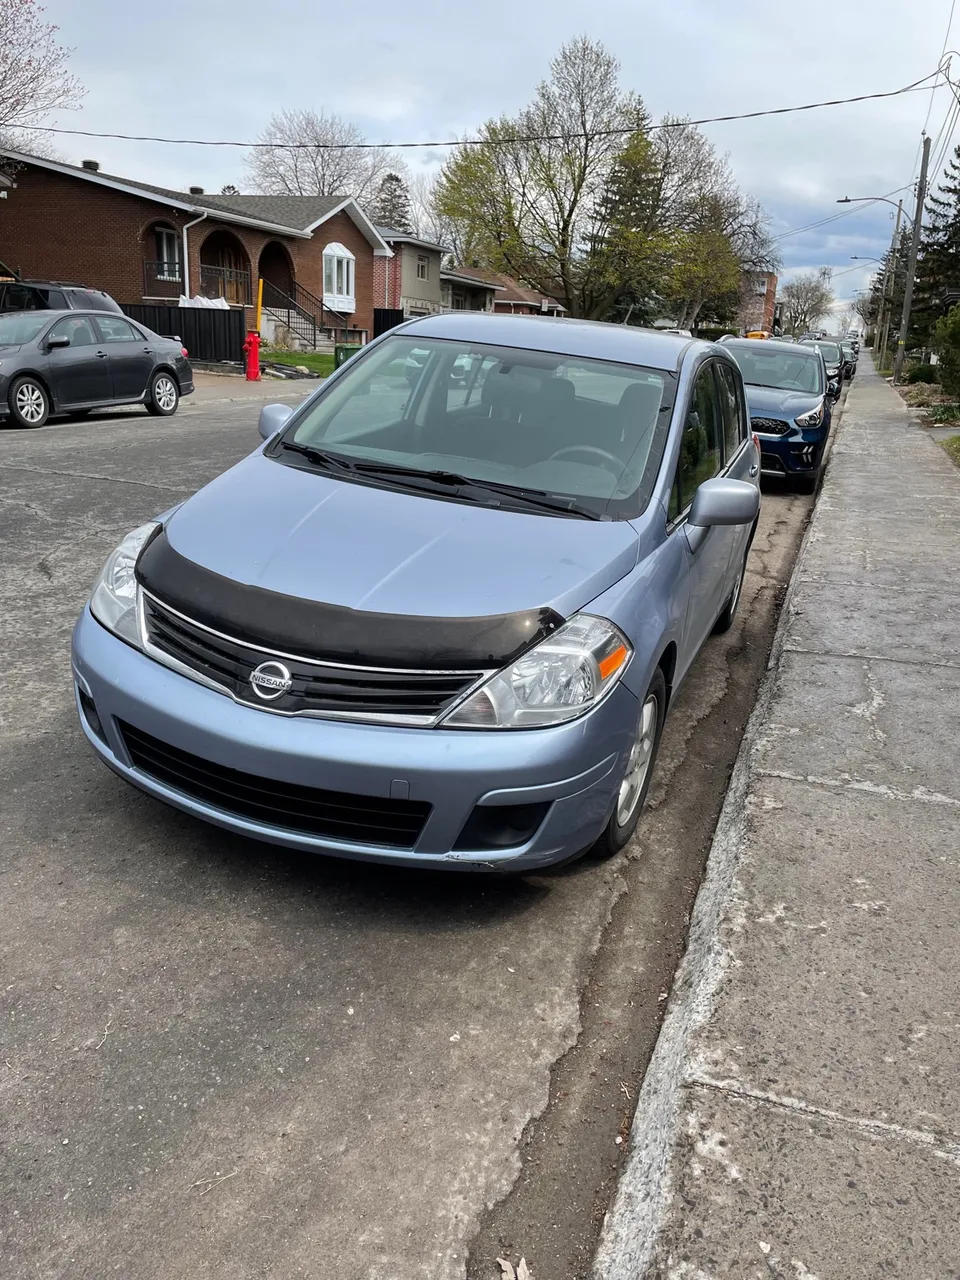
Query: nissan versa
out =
(790, 407)
(435, 620)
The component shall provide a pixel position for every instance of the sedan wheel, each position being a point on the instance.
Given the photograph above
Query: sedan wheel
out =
(163, 396)
(29, 403)
(638, 772)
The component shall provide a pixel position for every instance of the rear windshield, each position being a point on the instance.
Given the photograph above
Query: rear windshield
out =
(21, 326)
(764, 366)
(92, 300)
(588, 429)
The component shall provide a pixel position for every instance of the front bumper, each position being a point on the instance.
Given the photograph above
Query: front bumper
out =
(573, 771)
(798, 453)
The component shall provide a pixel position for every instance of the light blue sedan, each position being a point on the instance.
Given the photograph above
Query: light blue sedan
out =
(436, 621)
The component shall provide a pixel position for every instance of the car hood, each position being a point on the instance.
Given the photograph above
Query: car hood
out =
(773, 402)
(306, 534)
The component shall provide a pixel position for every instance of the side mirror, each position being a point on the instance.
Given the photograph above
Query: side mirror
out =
(724, 502)
(272, 418)
(58, 340)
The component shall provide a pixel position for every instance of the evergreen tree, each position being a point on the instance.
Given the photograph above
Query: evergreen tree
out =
(390, 206)
(938, 266)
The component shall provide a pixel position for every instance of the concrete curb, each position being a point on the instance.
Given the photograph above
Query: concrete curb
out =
(633, 1222)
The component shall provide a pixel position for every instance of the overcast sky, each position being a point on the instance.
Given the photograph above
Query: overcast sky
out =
(437, 68)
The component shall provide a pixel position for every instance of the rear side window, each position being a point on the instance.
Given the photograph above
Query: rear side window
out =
(20, 297)
(114, 329)
(734, 419)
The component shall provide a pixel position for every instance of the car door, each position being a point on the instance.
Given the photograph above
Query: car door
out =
(740, 457)
(706, 552)
(131, 356)
(80, 372)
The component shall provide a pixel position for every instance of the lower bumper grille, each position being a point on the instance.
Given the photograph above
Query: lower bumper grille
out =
(770, 462)
(338, 815)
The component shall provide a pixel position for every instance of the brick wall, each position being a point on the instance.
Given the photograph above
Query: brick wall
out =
(387, 282)
(54, 226)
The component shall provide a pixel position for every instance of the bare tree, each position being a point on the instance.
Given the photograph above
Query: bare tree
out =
(806, 300)
(845, 319)
(34, 79)
(311, 154)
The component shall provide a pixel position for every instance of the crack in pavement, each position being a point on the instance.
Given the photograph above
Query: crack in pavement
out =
(88, 475)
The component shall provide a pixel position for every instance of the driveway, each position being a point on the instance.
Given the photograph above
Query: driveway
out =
(221, 1059)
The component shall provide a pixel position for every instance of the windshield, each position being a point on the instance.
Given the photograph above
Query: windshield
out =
(21, 326)
(589, 431)
(764, 366)
(829, 350)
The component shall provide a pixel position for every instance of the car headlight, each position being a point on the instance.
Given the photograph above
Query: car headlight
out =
(811, 419)
(559, 679)
(114, 599)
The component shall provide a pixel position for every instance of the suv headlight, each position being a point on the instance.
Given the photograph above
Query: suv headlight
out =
(811, 419)
(559, 679)
(114, 599)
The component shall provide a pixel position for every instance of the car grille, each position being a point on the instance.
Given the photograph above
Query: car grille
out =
(771, 426)
(318, 688)
(338, 815)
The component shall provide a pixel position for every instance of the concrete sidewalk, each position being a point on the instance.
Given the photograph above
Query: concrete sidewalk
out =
(217, 388)
(801, 1115)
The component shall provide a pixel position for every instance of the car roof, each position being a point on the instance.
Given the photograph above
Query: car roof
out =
(593, 339)
(58, 284)
(767, 344)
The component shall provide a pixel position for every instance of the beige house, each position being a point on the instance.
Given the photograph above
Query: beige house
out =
(414, 285)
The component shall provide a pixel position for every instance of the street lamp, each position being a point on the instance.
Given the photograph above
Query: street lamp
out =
(872, 200)
(854, 257)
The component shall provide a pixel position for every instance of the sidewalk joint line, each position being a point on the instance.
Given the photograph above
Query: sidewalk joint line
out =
(870, 657)
(944, 1146)
(845, 782)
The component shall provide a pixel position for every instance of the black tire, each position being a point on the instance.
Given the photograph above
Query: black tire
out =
(617, 833)
(163, 396)
(29, 403)
(725, 621)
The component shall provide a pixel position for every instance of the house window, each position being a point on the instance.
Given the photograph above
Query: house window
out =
(339, 276)
(423, 267)
(168, 253)
(459, 302)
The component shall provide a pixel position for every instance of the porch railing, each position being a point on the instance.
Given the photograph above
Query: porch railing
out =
(226, 282)
(162, 280)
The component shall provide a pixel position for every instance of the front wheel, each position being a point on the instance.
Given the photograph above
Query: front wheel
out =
(29, 403)
(641, 759)
(163, 396)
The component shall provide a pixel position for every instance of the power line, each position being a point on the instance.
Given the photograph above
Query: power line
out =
(917, 87)
(946, 41)
(835, 217)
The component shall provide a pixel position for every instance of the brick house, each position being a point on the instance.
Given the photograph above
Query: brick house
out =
(415, 281)
(512, 298)
(148, 244)
(758, 296)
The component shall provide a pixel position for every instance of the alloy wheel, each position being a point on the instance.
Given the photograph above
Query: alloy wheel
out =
(638, 766)
(165, 394)
(30, 403)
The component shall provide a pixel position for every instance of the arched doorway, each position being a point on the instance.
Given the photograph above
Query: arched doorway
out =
(225, 268)
(276, 272)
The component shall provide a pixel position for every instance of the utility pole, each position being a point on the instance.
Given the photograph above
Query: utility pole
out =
(912, 263)
(889, 286)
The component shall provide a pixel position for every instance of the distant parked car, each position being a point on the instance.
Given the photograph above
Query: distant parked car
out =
(75, 361)
(849, 359)
(52, 295)
(441, 630)
(790, 409)
(833, 359)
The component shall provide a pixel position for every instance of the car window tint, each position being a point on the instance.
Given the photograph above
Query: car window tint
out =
(734, 427)
(388, 393)
(466, 379)
(701, 447)
(114, 329)
(92, 300)
(77, 328)
(20, 298)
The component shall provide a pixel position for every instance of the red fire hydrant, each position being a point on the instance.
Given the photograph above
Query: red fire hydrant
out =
(251, 349)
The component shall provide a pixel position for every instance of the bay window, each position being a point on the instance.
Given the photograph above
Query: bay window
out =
(339, 271)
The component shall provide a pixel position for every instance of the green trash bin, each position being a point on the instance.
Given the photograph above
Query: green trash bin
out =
(343, 351)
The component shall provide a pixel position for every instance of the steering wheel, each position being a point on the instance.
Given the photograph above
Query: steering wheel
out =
(592, 451)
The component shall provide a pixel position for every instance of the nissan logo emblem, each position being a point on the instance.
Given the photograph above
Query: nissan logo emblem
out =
(271, 680)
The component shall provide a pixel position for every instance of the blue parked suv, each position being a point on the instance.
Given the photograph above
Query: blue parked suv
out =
(435, 620)
(790, 406)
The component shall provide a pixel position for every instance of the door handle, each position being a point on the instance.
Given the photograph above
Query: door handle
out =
(755, 468)
(101, 355)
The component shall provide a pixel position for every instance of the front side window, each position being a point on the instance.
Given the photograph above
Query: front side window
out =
(521, 420)
(77, 328)
(734, 418)
(339, 266)
(701, 445)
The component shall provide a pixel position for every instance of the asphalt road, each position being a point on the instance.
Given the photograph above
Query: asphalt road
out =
(218, 1059)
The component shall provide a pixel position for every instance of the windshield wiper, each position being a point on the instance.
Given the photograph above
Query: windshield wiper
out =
(319, 456)
(454, 481)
